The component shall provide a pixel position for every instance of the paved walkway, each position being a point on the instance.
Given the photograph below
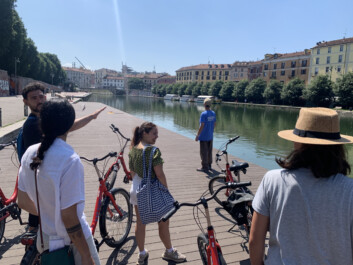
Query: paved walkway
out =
(181, 156)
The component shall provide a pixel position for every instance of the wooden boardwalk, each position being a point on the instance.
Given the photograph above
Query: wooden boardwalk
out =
(181, 157)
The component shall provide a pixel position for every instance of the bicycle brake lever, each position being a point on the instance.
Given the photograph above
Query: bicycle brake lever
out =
(126, 180)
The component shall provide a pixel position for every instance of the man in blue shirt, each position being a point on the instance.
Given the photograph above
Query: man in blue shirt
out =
(205, 135)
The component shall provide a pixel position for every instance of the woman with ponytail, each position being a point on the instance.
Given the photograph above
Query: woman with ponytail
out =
(144, 137)
(60, 186)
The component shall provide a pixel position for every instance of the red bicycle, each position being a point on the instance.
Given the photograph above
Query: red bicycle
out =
(8, 206)
(237, 202)
(209, 248)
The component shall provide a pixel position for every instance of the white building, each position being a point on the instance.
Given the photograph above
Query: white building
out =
(83, 78)
(113, 81)
(102, 73)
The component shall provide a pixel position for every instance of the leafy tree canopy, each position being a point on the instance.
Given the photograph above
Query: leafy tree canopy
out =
(320, 91)
(344, 90)
(254, 90)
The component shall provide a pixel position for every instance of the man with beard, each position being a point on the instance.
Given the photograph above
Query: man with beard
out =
(33, 97)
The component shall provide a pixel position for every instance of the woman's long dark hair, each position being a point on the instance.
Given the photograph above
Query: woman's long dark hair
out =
(323, 160)
(56, 118)
(139, 130)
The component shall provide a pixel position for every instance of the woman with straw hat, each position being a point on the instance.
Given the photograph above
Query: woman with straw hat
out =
(307, 206)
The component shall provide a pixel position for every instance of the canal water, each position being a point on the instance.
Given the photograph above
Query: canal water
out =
(257, 126)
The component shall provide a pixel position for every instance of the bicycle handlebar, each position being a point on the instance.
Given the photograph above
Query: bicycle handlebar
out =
(95, 160)
(2, 146)
(231, 140)
(230, 185)
(116, 130)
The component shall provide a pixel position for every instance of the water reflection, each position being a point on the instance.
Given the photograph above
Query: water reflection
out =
(256, 125)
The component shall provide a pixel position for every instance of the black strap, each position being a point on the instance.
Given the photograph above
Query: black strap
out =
(320, 135)
(40, 223)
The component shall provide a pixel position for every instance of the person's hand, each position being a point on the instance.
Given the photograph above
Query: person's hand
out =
(196, 138)
(97, 112)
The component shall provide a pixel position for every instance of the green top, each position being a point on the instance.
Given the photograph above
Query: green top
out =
(136, 161)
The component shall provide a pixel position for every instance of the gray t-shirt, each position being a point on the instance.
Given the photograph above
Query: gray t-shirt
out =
(311, 219)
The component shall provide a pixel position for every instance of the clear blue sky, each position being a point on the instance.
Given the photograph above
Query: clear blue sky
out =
(170, 34)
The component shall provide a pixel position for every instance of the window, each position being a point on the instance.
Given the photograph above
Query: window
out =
(226, 73)
(236, 75)
(196, 72)
(303, 71)
(318, 51)
(283, 72)
(293, 73)
(338, 69)
(317, 60)
(304, 63)
(202, 73)
(220, 73)
(197, 77)
(265, 74)
(226, 78)
(208, 72)
(341, 48)
(241, 75)
(275, 66)
(208, 77)
(329, 49)
(283, 65)
(214, 73)
(316, 70)
(327, 69)
(202, 77)
(273, 74)
(214, 77)
(242, 69)
(292, 64)
(219, 77)
(328, 59)
(340, 58)
(266, 66)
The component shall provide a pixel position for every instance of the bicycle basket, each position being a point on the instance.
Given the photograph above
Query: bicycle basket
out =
(236, 205)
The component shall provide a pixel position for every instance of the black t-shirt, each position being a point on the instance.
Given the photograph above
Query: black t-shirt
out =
(31, 131)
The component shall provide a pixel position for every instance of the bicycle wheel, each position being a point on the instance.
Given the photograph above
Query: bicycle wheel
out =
(221, 260)
(202, 243)
(31, 257)
(114, 228)
(216, 183)
(110, 180)
(2, 223)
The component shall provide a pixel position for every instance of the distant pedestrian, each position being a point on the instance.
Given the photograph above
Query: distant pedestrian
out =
(307, 206)
(145, 137)
(34, 97)
(205, 135)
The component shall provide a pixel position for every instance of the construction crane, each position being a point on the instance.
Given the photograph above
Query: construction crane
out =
(80, 63)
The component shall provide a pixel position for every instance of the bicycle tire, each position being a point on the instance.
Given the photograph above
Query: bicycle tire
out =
(217, 182)
(110, 180)
(114, 230)
(31, 256)
(202, 243)
(2, 223)
(221, 260)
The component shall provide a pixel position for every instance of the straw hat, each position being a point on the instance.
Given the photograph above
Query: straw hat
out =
(317, 126)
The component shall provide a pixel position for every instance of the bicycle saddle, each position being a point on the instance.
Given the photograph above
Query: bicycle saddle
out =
(238, 165)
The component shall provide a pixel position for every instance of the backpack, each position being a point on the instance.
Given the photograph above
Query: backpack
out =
(20, 142)
(236, 205)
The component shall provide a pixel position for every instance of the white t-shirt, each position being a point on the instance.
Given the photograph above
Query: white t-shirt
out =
(311, 219)
(60, 181)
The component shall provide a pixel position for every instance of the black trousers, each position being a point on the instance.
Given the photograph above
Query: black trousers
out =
(206, 153)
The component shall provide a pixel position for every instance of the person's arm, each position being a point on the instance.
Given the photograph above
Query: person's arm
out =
(158, 170)
(25, 203)
(259, 228)
(74, 230)
(79, 123)
(199, 131)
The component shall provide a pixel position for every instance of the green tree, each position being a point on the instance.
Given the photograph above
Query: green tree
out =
(205, 89)
(189, 88)
(272, 92)
(181, 89)
(215, 88)
(239, 90)
(6, 21)
(227, 90)
(320, 91)
(292, 92)
(135, 83)
(254, 91)
(197, 90)
(344, 90)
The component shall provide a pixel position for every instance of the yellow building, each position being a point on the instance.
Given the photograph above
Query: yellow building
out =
(333, 58)
(203, 73)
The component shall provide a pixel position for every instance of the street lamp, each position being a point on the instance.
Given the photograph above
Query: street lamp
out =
(52, 76)
(17, 60)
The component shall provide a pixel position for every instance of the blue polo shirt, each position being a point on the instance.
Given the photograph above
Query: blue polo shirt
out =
(208, 117)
